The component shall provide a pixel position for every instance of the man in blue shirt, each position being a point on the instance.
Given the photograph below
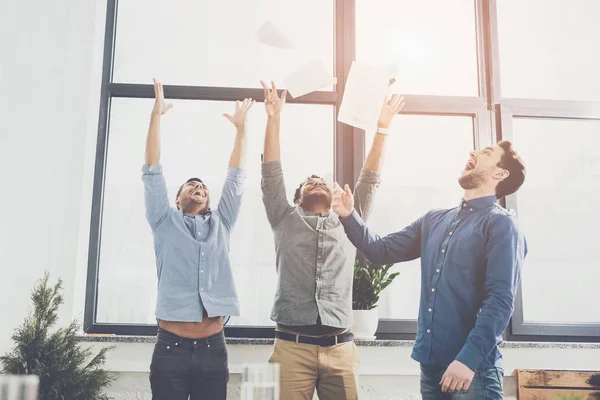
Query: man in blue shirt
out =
(471, 257)
(195, 283)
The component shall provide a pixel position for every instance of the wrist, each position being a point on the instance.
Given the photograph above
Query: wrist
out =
(240, 130)
(155, 114)
(384, 125)
(274, 118)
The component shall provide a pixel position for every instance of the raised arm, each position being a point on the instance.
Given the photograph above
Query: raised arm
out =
(238, 119)
(273, 106)
(404, 245)
(233, 188)
(153, 138)
(272, 184)
(155, 188)
(369, 178)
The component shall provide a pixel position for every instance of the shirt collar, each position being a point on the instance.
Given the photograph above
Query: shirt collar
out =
(477, 204)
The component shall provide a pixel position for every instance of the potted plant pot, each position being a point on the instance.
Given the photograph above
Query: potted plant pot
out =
(365, 324)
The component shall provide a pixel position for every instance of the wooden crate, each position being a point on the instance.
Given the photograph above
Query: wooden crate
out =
(558, 385)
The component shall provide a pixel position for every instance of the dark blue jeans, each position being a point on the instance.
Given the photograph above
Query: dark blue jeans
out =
(486, 385)
(194, 369)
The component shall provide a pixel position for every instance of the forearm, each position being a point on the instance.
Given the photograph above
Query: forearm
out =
(153, 140)
(374, 160)
(238, 155)
(272, 148)
(491, 323)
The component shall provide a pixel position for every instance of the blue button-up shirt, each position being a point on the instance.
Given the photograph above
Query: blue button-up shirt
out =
(471, 257)
(192, 251)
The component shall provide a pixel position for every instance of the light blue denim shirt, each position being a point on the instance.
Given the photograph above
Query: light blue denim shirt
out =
(194, 271)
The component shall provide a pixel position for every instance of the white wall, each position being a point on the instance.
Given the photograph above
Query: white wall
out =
(49, 84)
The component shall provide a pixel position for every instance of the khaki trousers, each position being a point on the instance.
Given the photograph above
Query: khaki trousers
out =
(332, 370)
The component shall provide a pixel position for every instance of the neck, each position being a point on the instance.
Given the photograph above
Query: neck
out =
(476, 193)
(195, 209)
(318, 208)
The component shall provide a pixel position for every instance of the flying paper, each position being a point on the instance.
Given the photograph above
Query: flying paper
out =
(270, 35)
(366, 90)
(310, 78)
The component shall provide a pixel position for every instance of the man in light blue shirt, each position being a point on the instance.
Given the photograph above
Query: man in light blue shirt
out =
(195, 283)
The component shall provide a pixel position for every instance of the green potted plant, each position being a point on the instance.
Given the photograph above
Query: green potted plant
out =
(66, 368)
(369, 282)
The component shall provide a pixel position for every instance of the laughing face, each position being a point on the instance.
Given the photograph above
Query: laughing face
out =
(193, 195)
(315, 191)
(482, 168)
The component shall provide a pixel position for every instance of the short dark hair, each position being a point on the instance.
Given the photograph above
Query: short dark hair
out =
(511, 162)
(188, 181)
(298, 192)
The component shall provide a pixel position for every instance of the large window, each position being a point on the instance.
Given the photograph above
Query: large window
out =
(472, 71)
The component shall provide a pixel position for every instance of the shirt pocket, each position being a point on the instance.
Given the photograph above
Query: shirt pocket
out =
(467, 252)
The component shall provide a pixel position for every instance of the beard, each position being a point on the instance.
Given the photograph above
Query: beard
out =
(472, 181)
(312, 200)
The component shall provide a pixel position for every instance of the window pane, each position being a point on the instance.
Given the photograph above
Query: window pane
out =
(549, 49)
(432, 48)
(426, 155)
(197, 141)
(558, 211)
(211, 43)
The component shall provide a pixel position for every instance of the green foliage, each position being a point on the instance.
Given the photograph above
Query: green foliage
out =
(66, 370)
(570, 398)
(369, 281)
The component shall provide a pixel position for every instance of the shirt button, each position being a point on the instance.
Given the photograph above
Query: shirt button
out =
(470, 209)
(437, 270)
(202, 289)
(319, 257)
(201, 270)
(430, 310)
(450, 233)
(202, 253)
(443, 250)
(433, 289)
(428, 330)
(199, 233)
(464, 204)
(195, 342)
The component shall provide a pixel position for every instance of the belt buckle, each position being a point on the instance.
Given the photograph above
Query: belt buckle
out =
(336, 339)
(297, 338)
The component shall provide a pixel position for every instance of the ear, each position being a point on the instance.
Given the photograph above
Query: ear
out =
(501, 175)
(298, 202)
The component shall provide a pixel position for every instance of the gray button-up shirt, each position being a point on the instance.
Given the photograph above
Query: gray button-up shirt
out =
(314, 263)
(192, 252)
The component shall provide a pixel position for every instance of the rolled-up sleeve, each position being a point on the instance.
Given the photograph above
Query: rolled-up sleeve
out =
(364, 192)
(155, 194)
(273, 189)
(231, 197)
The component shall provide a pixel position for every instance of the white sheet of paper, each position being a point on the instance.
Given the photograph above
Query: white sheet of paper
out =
(366, 89)
(271, 35)
(310, 78)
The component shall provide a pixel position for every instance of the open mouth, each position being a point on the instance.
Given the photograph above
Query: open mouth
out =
(199, 193)
(470, 165)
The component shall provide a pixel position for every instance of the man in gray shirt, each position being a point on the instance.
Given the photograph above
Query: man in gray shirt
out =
(313, 300)
(195, 282)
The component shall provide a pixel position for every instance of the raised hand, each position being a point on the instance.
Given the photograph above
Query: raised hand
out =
(241, 111)
(343, 201)
(390, 108)
(160, 106)
(273, 103)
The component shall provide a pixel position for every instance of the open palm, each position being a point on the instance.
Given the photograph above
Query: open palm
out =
(160, 106)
